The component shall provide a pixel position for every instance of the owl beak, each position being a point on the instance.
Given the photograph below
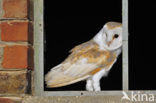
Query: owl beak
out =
(109, 42)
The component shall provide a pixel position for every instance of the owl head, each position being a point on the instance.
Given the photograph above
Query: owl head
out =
(110, 36)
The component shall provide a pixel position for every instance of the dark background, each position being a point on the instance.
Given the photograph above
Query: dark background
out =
(142, 27)
(70, 24)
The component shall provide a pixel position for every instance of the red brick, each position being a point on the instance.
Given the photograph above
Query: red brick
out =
(15, 57)
(10, 100)
(14, 31)
(5, 100)
(15, 8)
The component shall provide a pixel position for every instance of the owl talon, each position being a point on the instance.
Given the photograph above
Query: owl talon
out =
(97, 88)
(89, 86)
(89, 89)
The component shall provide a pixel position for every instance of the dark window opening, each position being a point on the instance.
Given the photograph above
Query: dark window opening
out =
(62, 33)
(141, 46)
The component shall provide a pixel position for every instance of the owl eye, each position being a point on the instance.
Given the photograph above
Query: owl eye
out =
(116, 35)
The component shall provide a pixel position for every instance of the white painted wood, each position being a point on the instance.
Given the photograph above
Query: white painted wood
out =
(39, 56)
(38, 48)
(125, 45)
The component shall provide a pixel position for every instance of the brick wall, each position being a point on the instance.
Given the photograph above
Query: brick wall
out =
(16, 43)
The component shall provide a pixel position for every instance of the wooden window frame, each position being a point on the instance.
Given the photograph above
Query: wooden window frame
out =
(39, 57)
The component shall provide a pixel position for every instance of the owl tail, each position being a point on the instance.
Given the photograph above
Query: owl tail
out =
(50, 74)
(57, 78)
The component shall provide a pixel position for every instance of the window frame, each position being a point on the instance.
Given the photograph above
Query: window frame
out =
(39, 57)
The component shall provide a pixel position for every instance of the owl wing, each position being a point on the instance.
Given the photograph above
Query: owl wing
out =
(84, 61)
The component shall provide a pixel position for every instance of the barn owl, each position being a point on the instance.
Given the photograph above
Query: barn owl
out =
(89, 61)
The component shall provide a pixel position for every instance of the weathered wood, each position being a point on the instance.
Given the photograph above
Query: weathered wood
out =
(79, 99)
(38, 47)
(39, 59)
(125, 45)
